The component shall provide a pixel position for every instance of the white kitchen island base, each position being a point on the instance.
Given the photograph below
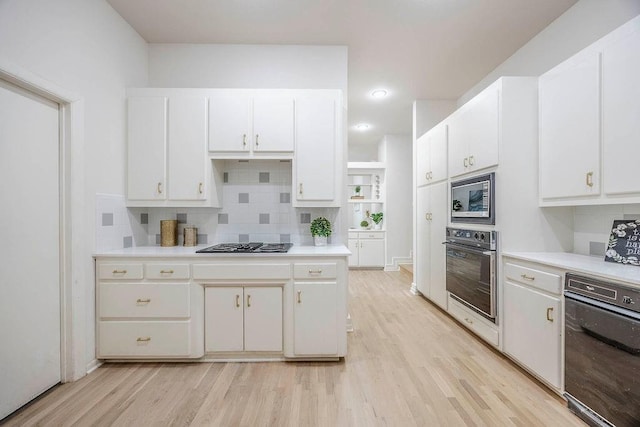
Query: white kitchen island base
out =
(156, 303)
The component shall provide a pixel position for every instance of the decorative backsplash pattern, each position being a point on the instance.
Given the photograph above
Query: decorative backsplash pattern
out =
(256, 199)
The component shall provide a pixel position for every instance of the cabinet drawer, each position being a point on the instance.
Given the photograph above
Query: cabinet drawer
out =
(144, 300)
(241, 271)
(167, 271)
(479, 325)
(534, 278)
(372, 235)
(314, 271)
(353, 235)
(120, 271)
(143, 339)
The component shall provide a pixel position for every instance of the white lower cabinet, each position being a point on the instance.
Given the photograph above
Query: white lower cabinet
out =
(367, 248)
(243, 318)
(315, 319)
(532, 319)
(482, 327)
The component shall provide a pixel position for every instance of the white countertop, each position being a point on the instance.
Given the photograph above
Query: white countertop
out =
(190, 251)
(584, 264)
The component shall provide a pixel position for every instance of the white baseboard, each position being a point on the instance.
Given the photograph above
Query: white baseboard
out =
(349, 323)
(414, 289)
(396, 261)
(93, 365)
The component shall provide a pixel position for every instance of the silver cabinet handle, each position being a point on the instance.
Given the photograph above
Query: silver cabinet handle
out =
(159, 188)
(257, 136)
(166, 271)
(300, 190)
(143, 339)
(549, 311)
(466, 162)
(315, 271)
(248, 300)
(119, 271)
(525, 277)
(471, 160)
(244, 140)
(200, 188)
(299, 297)
(238, 301)
(143, 301)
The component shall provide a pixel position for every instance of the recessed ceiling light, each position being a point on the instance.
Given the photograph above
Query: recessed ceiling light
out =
(379, 93)
(362, 126)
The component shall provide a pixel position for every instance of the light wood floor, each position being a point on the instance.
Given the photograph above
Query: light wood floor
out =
(408, 364)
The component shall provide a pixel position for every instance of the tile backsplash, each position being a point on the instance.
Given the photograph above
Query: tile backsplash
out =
(592, 226)
(256, 200)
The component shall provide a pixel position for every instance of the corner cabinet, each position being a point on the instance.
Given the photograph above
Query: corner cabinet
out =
(318, 160)
(589, 128)
(533, 318)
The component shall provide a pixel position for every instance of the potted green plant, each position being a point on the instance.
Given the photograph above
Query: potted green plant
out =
(377, 219)
(320, 230)
(364, 224)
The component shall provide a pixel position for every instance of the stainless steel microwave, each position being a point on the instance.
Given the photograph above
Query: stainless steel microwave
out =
(472, 200)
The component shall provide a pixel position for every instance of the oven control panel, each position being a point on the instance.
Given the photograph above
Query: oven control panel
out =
(606, 291)
(478, 238)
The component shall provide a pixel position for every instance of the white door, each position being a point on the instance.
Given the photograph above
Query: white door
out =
(263, 319)
(437, 235)
(147, 145)
(223, 308)
(30, 250)
(273, 123)
(422, 256)
(483, 129)
(438, 153)
(371, 253)
(353, 248)
(422, 158)
(315, 319)
(315, 149)
(187, 148)
(229, 123)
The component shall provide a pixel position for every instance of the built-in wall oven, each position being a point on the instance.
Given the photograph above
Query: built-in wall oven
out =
(602, 351)
(471, 269)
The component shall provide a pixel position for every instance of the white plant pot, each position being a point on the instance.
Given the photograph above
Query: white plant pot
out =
(377, 226)
(320, 240)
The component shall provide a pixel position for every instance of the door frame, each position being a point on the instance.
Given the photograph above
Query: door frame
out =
(71, 159)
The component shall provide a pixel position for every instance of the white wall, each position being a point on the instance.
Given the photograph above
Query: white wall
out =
(248, 66)
(578, 27)
(592, 226)
(363, 153)
(396, 152)
(429, 112)
(85, 48)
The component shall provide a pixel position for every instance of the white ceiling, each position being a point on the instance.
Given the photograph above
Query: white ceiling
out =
(417, 49)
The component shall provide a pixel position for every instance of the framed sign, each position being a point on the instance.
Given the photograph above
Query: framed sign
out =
(624, 243)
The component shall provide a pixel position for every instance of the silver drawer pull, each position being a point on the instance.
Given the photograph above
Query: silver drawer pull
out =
(315, 271)
(119, 271)
(166, 271)
(469, 321)
(143, 301)
(143, 339)
(525, 277)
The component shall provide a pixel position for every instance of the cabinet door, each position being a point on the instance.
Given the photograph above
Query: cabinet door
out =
(353, 247)
(223, 308)
(423, 247)
(437, 235)
(147, 147)
(529, 334)
(620, 115)
(438, 153)
(229, 123)
(315, 318)
(458, 159)
(187, 148)
(315, 159)
(263, 319)
(570, 129)
(371, 253)
(422, 159)
(273, 123)
(482, 127)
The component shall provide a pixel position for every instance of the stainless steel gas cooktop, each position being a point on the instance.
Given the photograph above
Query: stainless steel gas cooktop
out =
(257, 247)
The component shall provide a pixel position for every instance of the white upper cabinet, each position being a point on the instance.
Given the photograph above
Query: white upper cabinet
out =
(589, 127)
(167, 163)
(621, 115)
(318, 169)
(251, 124)
(432, 155)
(473, 133)
(570, 128)
(147, 145)
(187, 148)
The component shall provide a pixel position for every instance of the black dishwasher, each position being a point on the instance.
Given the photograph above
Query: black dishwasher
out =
(602, 351)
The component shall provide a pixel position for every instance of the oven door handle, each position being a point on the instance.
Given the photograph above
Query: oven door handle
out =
(470, 248)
